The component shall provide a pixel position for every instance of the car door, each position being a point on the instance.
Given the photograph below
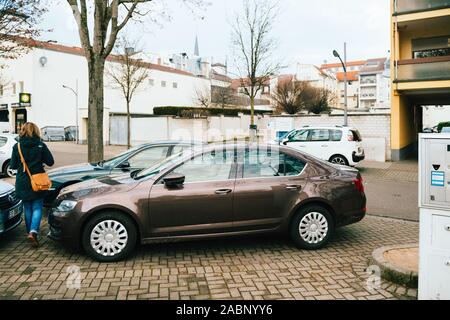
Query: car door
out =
(319, 144)
(142, 158)
(269, 184)
(335, 144)
(203, 205)
(298, 140)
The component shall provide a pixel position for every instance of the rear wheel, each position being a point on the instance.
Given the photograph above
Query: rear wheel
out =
(339, 159)
(312, 227)
(109, 237)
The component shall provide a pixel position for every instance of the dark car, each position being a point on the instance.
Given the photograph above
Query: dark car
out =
(137, 158)
(10, 208)
(221, 190)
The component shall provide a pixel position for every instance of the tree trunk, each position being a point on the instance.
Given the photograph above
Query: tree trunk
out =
(128, 125)
(95, 112)
(253, 129)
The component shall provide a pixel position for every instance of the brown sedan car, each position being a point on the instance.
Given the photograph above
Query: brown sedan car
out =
(216, 191)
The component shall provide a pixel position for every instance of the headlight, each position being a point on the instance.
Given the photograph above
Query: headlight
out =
(64, 208)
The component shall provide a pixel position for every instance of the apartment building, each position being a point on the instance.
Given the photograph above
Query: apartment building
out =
(375, 83)
(353, 69)
(420, 67)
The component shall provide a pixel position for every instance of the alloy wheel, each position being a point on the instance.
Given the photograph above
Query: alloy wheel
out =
(339, 160)
(109, 238)
(313, 228)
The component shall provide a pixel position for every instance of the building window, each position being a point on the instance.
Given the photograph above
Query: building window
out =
(21, 87)
(151, 82)
(4, 116)
(1, 90)
(14, 88)
(175, 85)
(163, 84)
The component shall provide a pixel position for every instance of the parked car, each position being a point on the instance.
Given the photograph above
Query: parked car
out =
(339, 145)
(217, 191)
(137, 158)
(7, 142)
(445, 130)
(10, 208)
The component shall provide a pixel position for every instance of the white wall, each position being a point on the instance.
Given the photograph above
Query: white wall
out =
(374, 128)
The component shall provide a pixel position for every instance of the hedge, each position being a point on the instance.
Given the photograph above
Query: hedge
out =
(179, 111)
(443, 125)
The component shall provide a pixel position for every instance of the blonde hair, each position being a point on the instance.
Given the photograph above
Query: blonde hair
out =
(30, 130)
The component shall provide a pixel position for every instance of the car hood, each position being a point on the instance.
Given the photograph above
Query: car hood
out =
(5, 187)
(99, 186)
(77, 172)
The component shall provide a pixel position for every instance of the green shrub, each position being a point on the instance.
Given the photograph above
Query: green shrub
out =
(443, 125)
(183, 111)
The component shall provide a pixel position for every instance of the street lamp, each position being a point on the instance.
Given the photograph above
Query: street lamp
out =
(75, 92)
(344, 65)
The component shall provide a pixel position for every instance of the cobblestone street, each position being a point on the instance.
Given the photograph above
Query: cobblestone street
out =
(247, 268)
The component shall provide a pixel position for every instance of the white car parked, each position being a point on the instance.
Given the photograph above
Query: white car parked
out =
(339, 145)
(7, 142)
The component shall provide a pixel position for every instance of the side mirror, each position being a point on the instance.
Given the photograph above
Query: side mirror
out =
(285, 141)
(174, 180)
(124, 165)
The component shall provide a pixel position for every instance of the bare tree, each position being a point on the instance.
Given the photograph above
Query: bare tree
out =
(127, 75)
(203, 97)
(287, 96)
(109, 17)
(320, 102)
(254, 47)
(19, 21)
(222, 96)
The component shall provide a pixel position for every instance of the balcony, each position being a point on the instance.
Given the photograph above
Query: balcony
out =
(424, 69)
(413, 6)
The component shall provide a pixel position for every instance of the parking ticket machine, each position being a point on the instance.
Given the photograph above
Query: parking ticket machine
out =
(434, 204)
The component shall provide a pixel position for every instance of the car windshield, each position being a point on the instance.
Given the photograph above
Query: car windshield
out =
(111, 163)
(161, 166)
(445, 130)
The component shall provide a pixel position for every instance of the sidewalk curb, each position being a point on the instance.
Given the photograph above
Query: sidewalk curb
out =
(394, 273)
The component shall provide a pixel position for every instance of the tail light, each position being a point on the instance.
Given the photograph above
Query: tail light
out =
(358, 182)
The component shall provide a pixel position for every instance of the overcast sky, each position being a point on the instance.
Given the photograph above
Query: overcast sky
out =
(307, 31)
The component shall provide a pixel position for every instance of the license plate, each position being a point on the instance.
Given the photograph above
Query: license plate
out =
(14, 213)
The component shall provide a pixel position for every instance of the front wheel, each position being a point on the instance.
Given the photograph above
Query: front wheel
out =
(7, 171)
(312, 228)
(338, 159)
(109, 237)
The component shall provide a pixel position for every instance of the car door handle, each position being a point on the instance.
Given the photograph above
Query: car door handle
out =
(294, 187)
(324, 146)
(223, 191)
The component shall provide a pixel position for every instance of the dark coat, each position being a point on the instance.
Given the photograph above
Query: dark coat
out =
(36, 154)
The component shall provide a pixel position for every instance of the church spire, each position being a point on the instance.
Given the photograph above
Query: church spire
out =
(196, 49)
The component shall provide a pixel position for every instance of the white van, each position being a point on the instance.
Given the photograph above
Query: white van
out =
(339, 145)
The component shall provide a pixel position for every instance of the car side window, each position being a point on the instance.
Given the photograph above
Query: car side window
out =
(320, 135)
(181, 148)
(336, 135)
(299, 136)
(3, 141)
(211, 166)
(148, 157)
(266, 163)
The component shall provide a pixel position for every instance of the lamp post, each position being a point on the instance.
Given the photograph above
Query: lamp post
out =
(75, 92)
(344, 65)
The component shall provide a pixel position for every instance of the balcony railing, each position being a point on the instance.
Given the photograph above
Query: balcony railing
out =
(412, 6)
(425, 69)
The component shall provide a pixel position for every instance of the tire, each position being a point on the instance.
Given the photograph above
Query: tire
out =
(339, 159)
(7, 170)
(321, 219)
(122, 240)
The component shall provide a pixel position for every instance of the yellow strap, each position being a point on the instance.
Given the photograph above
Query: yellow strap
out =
(25, 167)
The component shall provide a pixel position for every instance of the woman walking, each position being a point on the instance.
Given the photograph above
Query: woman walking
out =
(34, 153)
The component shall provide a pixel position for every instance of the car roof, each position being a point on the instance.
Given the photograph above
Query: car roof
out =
(171, 142)
(326, 127)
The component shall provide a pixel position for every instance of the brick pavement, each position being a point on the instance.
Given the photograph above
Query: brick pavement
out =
(246, 268)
